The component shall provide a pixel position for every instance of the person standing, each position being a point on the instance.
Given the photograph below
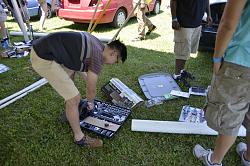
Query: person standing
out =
(59, 55)
(54, 5)
(44, 10)
(228, 105)
(186, 22)
(3, 18)
(143, 20)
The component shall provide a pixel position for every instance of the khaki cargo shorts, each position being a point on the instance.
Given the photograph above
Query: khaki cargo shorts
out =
(228, 100)
(186, 42)
(57, 75)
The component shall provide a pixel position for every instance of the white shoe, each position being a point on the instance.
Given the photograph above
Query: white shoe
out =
(241, 149)
(176, 76)
(204, 155)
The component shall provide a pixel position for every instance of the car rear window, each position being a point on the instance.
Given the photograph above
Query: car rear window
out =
(74, 1)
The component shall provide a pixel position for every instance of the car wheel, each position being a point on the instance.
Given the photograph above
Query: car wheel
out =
(119, 18)
(157, 7)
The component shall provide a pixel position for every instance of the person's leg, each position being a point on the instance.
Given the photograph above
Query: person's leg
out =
(43, 17)
(3, 30)
(54, 5)
(243, 149)
(147, 22)
(5, 39)
(225, 118)
(73, 116)
(179, 65)
(195, 39)
(222, 145)
(141, 22)
(182, 48)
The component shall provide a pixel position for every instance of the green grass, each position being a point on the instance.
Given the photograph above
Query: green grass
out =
(31, 133)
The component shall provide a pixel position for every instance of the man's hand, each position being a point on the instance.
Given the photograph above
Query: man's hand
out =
(216, 67)
(90, 106)
(142, 6)
(209, 20)
(175, 25)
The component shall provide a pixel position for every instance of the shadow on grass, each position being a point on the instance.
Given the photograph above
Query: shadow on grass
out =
(153, 36)
(100, 27)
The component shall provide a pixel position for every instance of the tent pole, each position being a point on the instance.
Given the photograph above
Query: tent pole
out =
(20, 20)
(91, 22)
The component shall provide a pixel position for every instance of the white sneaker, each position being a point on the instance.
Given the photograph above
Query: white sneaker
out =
(176, 76)
(204, 155)
(241, 149)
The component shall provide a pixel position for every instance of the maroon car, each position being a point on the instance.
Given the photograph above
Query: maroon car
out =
(81, 11)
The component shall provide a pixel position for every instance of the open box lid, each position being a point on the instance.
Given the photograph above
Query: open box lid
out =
(156, 85)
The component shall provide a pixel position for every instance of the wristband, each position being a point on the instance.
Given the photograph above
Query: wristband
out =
(174, 19)
(217, 59)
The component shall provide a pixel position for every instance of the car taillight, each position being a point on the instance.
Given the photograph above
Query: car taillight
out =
(93, 2)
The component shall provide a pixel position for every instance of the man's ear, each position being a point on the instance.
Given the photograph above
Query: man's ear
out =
(113, 53)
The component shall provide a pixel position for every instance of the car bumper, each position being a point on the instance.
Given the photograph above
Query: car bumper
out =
(33, 11)
(85, 16)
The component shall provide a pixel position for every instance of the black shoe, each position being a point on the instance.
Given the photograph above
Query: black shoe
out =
(138, 39)
(185, 74)
(151, 30)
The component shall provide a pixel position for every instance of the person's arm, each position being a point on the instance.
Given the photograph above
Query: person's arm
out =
(91, 88)
(175, 23)
(143, 4)
(227, 27)
(83, 75)
(209, 18)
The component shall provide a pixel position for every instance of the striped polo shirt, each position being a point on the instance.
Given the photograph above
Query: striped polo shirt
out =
(78, 51)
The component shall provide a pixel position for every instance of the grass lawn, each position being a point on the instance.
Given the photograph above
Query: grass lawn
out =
(31, 133)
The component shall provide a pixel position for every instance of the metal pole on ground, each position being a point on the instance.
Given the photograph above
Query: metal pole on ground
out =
(12, 98)
(100, 16)
(40, 34)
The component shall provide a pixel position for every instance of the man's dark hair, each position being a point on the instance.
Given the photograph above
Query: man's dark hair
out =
(119, 46)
